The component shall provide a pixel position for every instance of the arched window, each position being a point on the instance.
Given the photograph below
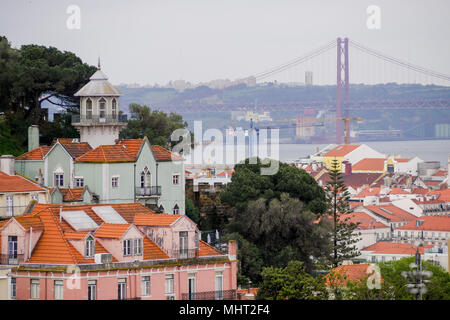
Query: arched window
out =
(102, 108)
(176, 209)
(146, 181)
(161, 209)
(114, 109)
(88, 109)
(90, 247)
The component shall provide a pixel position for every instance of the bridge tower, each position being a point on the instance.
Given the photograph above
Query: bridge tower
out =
(342, 84)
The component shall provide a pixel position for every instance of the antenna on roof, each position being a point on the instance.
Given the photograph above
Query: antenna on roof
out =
(98, 63)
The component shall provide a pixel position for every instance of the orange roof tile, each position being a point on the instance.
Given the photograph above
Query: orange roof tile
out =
(365, 221)
(391, 212)
(341, 150)
(370, 164)
(72, 194)
(162, 154)
(152, 251)
(368, 191)
(110, 230)
(402, 159)
(432, 223)
(444, 194)
(28, 221)
(35, 154)
(206, 250)
(106, 154)
(398, 191)
(132, 146)
(160, 219)
(17, 184)
(393, 248)
(440, 173)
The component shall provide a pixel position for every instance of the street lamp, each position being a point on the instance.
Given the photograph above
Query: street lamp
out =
(417, 282)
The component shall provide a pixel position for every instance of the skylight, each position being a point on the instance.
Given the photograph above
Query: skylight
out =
(79, 220)
(109, 215)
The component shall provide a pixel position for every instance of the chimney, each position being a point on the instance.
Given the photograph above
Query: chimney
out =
(348, 167)
(7, 164)
(33, 137)
(232, 249)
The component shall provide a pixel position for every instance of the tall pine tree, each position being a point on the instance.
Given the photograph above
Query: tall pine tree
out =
(344, 235)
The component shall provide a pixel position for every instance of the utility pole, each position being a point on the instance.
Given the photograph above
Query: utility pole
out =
(342, 82)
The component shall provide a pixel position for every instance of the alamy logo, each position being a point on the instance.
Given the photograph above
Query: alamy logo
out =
(374, 279)
(74, 281)
(73, 22)
(374, 19)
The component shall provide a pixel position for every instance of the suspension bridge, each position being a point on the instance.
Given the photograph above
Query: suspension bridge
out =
(330, 66)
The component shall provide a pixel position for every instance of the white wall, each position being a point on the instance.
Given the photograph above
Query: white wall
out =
(363, 151)
(409, 206)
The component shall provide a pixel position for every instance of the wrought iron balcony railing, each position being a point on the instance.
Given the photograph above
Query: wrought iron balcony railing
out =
(148, 191)
(94, 119)
(7, 259)
(210, 295)
(183, 254)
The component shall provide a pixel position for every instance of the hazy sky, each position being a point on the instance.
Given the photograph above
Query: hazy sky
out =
(200, 40)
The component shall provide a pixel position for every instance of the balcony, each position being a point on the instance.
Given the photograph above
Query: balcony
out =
(95, 119)
(183, 254)
(148, 191)
(7, 259)
(210, 295)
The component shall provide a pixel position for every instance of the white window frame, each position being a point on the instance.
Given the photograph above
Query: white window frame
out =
(176, 179)
(127, 247)
(58, 288)
(137, 247)
(58, 179)
(115, 181)
(77, 182)
(146, 286)
(92, 289)
(34, 289)
(90, 247)
(169, 284)
(219, 285)
(176, 209)
(10, 206)
(102, 107)
(122, 288)
(192, 279)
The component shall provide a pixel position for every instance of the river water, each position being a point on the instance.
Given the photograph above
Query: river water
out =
(428, 150)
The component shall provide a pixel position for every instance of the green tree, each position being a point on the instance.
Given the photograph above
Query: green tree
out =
(192, 211)
(291, 282)
(344, 235)
(437, 289)
(155, 124)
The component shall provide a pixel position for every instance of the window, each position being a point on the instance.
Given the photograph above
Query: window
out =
(88, 109)
(169, 284)
(92, 290)
(34, 288)
(13, 288)
(176, 179)
(191, 286)
(127, 247)
(394, 258)
(137, 247)
(59, 179)
(102, 108)
(9, 206)
(12, 249)
(176, 209)
(219, 285)
(145, 178)
(122, 289)
(79, 182)
(114, 108)
(115, 182)
(183, 244)
(145, 286)
(90, 247)
(59, 289)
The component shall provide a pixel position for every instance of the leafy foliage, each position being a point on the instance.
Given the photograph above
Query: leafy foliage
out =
(192, 211)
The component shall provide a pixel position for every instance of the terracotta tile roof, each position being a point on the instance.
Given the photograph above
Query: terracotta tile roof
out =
(159, 219)
(393, 248)
(72, 194)
(110, 230)
(420, 191)
(35, 154)
(402, 159)
(17, 184)
(373, 164)
(341, 150)
(444, 194)
(106, 154)
(151, 251)
(432, 182)
(440, 173)
(398, 191)
(432, 223)
(351, 272)
(77, 149)
(162, 154)
(132, 146)
(28, 221)
(75, 235)
(391, 213)
(368, 191)
(206, 250)
(365, 221)
(433, 201)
